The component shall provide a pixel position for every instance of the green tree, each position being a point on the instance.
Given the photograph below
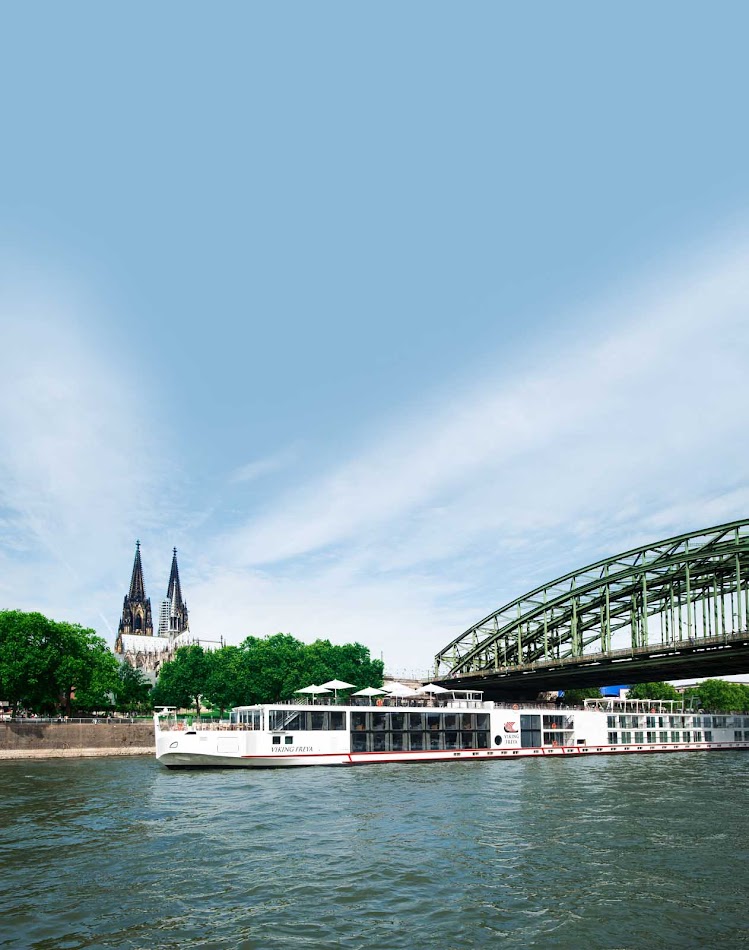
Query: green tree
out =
(85, 669)
(183, 681)
(132, 692)
(654, 691)
(25, 668)
(44, 663)
(226, 682)
(576, 697)
(716, 695)
(278, 665)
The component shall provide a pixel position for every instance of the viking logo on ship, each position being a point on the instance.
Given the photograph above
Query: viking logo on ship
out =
(511, 727)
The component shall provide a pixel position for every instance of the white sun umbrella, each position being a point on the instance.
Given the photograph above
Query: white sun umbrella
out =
(400, 689)
(314, 690)
(432, 688)
(335, 685)
(369, 691)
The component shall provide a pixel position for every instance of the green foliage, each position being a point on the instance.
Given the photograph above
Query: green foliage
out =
(653, 691)
(132, 692)
(47, 665)
(182, 682)
(719, 696)
(575, 697)
(261, 670)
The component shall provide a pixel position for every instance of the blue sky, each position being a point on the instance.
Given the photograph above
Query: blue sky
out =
(382, 314)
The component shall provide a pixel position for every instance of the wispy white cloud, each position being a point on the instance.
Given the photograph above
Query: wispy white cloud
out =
(78, 461)
(632, 428)
(260, 467)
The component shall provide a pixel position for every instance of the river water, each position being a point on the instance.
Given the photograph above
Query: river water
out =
(637, 851)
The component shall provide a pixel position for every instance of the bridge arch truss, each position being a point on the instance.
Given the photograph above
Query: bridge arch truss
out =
(689, 589)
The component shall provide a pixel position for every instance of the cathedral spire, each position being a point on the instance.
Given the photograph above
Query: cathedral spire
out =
(178, 622)
(137, 587)
(174, 591)
(136, 608)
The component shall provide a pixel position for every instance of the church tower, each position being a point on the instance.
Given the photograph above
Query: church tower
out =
(174, 609)
(136, 609)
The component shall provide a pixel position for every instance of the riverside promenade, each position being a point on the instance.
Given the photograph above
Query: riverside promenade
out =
(33, 739)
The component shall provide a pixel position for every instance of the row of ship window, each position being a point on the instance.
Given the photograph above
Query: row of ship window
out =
(677, 722)
(695, 735)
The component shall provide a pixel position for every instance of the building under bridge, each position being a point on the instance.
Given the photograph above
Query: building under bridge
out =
(670, 610)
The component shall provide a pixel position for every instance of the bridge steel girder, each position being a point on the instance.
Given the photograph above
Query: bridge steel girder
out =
(690, 589)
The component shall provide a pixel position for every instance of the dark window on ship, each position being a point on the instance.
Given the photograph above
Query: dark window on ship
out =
(708, 735)
(611, 722)
(651, 737)
(663, 737)
(289, 740)
(276, 740)
(626, 738)
(358, 721)
(737, 736)
(337, 720)
(675, 736)
(530, 732)
(612, 738)
(359, 742)
(697, 735)
(639, 737)
(318, 721)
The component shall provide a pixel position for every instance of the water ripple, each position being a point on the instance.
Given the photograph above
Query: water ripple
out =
(608, 853)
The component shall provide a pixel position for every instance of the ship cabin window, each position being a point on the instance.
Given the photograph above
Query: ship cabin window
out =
(708, 735)
(737, 735)
(650, 737)
(650, 722)
(418, 731)
(626, 738)
(291, 720)
(276, 740)
(719, 722)
(530, 732)
(686, 737)
(663, 737)
(611, 722)
(746, 735)
(674, 736)
(697, 721)
(289, 740)
(639, 737)
(246, 718)
(707, 721)
(697, 735)
(612, 738)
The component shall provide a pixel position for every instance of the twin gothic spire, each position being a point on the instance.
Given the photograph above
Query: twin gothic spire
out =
(137, 618)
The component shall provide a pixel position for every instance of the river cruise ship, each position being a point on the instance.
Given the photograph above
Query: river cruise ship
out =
(460, 725)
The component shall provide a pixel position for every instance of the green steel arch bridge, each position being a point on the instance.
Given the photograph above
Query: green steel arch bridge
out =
(671, 610)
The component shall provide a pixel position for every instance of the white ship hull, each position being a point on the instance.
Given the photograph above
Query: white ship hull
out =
(292, 736)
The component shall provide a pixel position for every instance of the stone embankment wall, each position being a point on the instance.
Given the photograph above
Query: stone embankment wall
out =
(27, 739)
